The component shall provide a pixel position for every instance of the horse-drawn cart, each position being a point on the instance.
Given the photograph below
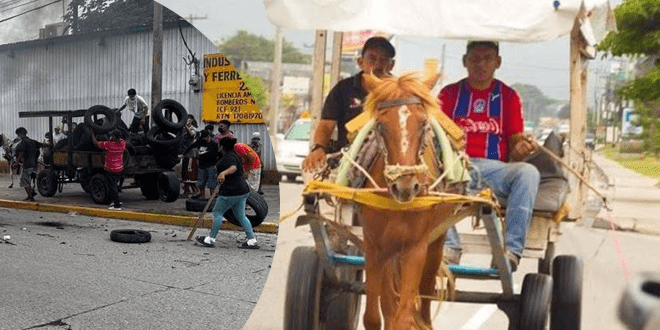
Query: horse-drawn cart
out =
(148, 158)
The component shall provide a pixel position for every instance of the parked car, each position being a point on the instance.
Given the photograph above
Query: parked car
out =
(589, 141)
(292, 148)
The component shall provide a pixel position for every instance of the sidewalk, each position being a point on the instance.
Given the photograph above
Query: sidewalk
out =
(635, 200)
(135, 207)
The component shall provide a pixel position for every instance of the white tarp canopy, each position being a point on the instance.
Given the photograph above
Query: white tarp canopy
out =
(510, 20)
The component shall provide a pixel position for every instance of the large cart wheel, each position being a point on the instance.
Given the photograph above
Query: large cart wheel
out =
(313, 301)
(149, 186)
(545, 264)
(98, 189)
(302, 304)
(565, 312)
(535, 302)
(168, 186)
(47, 182)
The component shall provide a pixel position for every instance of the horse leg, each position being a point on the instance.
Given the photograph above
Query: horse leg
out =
(427, 285)
(407, 315)
(371, 317)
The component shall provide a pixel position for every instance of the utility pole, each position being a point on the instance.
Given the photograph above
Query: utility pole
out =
(275, 78)
(157, 67)
(442, 66)
(191, 18)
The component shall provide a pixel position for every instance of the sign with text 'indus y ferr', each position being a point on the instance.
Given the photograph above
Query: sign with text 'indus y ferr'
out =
(225, 95)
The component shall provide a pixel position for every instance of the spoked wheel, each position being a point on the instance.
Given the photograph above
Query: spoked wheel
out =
(565, 313)
(98, 189)
(535, 302)
(313, 301)
(47, 182)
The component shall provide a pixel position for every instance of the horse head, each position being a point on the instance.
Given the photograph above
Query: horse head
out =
(400, 107)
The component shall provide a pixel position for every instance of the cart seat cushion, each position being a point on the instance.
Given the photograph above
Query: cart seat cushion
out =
(552, 194)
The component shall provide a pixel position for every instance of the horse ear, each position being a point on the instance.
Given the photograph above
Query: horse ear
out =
(370, 82)
(431, 80)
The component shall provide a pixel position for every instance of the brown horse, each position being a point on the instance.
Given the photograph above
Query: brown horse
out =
(401, 265)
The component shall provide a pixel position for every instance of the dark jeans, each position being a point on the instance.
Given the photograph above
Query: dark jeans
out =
(135, 125)
(112, 180)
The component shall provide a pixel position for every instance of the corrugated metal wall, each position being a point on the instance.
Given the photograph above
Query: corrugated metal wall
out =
(76, 72)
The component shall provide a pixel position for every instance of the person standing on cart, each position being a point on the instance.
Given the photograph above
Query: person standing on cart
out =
(27, 152)
(345, 101)
(206, 160)
(232, 194)
(138, 106)
(113, 165)
(491, 114)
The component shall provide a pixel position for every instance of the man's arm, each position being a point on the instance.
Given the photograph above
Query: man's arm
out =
(322, 137)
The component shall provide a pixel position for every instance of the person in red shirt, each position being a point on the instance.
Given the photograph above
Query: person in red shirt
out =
(251, 164)
(491, 114)
(113, 165)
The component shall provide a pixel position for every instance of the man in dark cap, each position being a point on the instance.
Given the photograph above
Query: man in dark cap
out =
(344, 102)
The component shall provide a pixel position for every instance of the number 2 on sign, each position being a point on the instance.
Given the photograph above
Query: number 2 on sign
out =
(241, 86)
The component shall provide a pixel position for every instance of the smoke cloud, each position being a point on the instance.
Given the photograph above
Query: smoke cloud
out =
(26, 26)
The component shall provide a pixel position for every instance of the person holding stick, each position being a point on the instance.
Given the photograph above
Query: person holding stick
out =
(232, 194)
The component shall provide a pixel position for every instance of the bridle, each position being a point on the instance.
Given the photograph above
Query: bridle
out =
(394, 172)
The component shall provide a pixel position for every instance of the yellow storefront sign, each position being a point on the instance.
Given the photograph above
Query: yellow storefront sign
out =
(225, 95)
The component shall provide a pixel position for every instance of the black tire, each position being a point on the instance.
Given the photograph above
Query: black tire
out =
(47, 183)
(545, 264)
(177, 110)
(98, 189)
(169, 186)
(159, 137)
(256, 210)
(197, 205)
(109, 122)
(149, 186)
(566, 309)
(535, 300)
(341, 308)
(303, 290)
(130, 236)
(640, 301)
(291, 177)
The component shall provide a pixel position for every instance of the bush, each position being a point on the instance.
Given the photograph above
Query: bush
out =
(631, 147)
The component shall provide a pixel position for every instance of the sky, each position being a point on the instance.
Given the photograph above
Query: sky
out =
(545, 65)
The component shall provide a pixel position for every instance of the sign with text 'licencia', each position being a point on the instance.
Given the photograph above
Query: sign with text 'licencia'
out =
(225, 95)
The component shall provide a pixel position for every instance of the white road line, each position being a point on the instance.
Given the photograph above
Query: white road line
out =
(480, 317)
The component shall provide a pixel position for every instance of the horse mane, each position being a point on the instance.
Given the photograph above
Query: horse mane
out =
(391, 88)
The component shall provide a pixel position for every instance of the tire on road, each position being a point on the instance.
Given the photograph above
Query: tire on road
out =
(109, 122)
(177, 110)
(535, 300)
(130, 236)
(566, 308)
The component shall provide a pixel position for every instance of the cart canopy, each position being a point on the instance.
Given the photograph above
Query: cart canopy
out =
(511, 20)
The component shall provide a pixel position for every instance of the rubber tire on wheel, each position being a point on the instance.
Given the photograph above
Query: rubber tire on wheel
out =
(149, 186)
(47, 182)
(535, 300)
(303, 290)
(342, 308)
(130, 236)
(177, 109)
(640, 303)
(545, 264)
(566, 309)
(169, 186)
(108, 124)
(98, 189)
(256, 210)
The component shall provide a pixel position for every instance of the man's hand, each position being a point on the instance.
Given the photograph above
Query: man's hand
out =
(520, 147)
(314, 161)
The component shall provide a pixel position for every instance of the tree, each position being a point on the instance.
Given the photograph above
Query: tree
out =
(244, 46)
(258, 91)
(535, 103)
(638, 25)
(100, 15)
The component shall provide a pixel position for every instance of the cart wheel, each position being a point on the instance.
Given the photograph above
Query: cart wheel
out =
(98, 189)
(303, 290)
(342, 308)
(256, 210)
(168, 187)
(47, 182)
(545, 264)
(566, 293)
(535, 302)
(149, 186)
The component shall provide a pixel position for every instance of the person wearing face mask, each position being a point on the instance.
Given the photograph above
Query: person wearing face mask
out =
(344, 102)
(138, 106)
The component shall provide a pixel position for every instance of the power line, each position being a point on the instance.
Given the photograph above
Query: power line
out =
(12, 8)
(29, 11)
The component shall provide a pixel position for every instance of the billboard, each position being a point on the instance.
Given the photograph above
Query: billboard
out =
(629, 123)
(225, 95)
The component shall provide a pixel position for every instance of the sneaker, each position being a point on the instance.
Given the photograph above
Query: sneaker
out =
(513, 259)
(250, 244)
(114, 208)
(206, 241)
(29, 199)
(451, 256)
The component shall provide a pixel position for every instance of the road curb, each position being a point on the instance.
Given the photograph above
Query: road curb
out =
(636, 227)
(178, 220)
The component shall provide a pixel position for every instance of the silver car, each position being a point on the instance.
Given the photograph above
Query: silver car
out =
(292, 148)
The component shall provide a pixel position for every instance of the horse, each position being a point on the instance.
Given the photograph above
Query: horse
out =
(8, 148)
(400, 263)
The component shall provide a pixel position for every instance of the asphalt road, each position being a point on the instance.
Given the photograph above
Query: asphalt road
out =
(609, 257)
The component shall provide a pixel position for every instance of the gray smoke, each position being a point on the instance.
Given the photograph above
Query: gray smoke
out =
(26, 27)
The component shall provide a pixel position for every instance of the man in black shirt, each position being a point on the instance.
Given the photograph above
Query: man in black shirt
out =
(345, 101)
(28, 153)
(206, 160)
